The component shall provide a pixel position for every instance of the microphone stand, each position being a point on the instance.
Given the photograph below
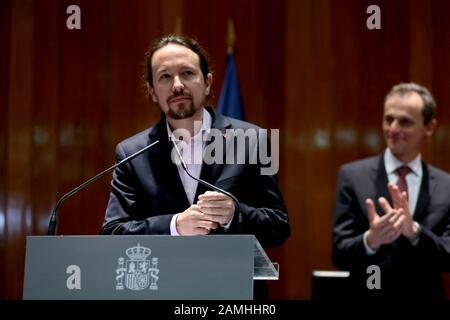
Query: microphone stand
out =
(209, 185)
(52, 223)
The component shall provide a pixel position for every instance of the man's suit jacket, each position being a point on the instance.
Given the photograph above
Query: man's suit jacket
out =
(408, 269)
(147, 191)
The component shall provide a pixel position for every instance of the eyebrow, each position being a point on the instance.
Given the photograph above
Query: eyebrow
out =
(183, 66)
(163, 69)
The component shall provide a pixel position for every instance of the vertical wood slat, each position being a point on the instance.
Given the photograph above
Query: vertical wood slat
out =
(97, 153)
(171, 10)
(5, 31)
(149, 27)
(440, 80)
(421, 66)
(123, 65)
(348, 71)
(72, 59)
(440, 46)
(298, 84)
(421, 35)
(197, 25)
(45, 112)
(319, 132)
(270, 100)
(385, 62)
(18, 212)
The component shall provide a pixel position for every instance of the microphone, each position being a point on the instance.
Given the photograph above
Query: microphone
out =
(207, 184)
(52, 223)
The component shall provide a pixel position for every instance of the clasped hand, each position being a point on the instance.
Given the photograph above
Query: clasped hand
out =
(211, 210)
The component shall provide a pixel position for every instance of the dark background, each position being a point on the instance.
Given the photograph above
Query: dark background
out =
(309, 68)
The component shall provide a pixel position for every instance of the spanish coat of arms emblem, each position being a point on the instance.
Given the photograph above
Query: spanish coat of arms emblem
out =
(138, 272)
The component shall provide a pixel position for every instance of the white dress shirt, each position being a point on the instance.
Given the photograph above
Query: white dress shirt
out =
(192, 153)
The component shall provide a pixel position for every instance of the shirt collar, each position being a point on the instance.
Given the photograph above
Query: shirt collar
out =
(391, 163)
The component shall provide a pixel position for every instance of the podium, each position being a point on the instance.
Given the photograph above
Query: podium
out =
(139, 267)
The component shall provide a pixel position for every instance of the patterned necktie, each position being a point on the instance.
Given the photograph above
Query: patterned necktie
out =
(401, 182)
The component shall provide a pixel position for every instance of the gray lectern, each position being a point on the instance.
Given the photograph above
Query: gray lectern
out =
(145, 267)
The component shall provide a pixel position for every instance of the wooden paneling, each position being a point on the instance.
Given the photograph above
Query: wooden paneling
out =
(5, 31)
(440, 48)
(45, 113)
(309, 68)
(96, 127)
(441, 79)
(71, 116)
(269, 103)
(18, 214)
(298, 55)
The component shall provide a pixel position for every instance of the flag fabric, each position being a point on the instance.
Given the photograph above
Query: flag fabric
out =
(230, 103)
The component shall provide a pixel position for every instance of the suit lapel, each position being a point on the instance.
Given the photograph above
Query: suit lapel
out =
(427, 185)
(167, 170)
(381, 182)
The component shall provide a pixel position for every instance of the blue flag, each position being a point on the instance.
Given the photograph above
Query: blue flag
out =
(230, 103)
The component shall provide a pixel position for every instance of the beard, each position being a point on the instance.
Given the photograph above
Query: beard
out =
(181, 111)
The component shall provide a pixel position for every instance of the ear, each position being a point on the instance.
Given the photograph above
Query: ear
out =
(209, 82)
(151, 92)
(430, 127)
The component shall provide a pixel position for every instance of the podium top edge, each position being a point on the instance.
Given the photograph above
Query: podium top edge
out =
(145, 235)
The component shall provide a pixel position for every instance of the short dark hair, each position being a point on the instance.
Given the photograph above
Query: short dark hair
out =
(181, 40)
(429, 104)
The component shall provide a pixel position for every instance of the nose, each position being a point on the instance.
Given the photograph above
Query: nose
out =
(394, 127)
(178, 85)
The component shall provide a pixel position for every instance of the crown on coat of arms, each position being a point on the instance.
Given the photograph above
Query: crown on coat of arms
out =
(138, 252)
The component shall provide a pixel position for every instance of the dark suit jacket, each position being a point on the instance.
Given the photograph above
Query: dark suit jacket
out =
(407, 270)
(147, 191)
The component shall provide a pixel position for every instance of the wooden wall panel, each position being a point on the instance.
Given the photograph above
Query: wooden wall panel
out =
(348, 68)
(203, 28)
(5, 31)
(150, 25)
(44, 114)
(18, 205)
(298, 54)
(269, 103)
(171, 13)
(72, 97)
(441, 79)
(421, 55)
(123, 109)
(421, 35)
(440, 48)
(97, 149)
(318, 133)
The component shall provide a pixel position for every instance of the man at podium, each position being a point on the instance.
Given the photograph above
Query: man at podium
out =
(165, 190)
